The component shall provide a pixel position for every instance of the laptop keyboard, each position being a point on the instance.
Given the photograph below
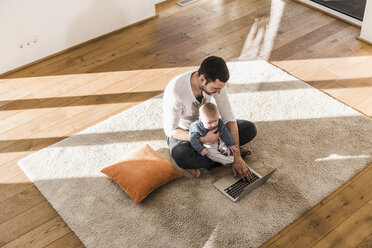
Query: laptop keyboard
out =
(237, 188)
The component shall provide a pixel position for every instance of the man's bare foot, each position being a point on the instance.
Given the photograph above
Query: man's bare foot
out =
(195, 172)
(245, 151)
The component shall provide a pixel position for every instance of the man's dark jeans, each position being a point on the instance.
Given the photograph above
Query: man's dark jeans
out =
(187, 158)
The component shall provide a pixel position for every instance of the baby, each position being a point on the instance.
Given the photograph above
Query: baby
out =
(208, 120)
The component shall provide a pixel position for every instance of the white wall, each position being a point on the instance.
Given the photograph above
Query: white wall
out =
(50, 26)
(366, 33)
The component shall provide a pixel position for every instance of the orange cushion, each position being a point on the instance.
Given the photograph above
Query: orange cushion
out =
(141, 171)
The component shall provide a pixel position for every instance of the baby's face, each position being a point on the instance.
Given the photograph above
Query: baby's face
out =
(209, 121)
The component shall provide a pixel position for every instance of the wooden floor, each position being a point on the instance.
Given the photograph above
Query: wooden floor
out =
(54, 99)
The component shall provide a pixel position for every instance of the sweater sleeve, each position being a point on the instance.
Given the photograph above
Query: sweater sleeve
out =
(195, 138)
(225, 134)
(172, 111)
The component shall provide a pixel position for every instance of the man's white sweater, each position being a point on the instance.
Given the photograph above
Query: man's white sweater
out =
(180, 107)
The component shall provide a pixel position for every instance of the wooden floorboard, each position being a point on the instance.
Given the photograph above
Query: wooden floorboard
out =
(58, 97)
(328, 216)
(366, 243)
(352, 231)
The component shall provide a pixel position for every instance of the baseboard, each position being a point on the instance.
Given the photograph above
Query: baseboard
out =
(364, 40)
(76, 46)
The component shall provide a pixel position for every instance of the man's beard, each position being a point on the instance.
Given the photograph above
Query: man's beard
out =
(203, 89)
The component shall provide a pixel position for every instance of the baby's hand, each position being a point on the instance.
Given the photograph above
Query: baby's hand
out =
(204, 152)
(233, 148)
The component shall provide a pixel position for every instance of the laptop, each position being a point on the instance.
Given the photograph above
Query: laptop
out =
(236, 188)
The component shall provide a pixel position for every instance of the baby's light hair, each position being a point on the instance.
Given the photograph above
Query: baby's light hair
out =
(209, 109)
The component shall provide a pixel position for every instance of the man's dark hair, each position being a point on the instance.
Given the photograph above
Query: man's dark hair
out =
(214, 68)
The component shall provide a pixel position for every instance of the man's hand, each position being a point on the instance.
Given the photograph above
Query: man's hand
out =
(204, 152)
(240, 167)
(211, 137)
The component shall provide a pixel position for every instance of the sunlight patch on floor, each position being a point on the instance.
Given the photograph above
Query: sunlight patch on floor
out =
(341, 157)
(300, 66)
(86, 83)
(260, 39)
(212, 237)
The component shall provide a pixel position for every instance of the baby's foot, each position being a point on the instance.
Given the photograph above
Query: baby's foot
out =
(194, 172)
(245, 151)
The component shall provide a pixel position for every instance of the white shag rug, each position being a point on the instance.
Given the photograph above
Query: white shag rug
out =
(315, 142)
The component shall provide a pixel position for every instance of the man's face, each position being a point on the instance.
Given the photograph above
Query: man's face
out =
(211, 88)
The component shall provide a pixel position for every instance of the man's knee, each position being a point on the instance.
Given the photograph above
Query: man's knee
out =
(187, 158)
(252, 130)
(247, 131)
(179, 152)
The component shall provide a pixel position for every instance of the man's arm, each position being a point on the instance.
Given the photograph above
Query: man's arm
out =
(233, 128)
(239, 166)
(181, 134)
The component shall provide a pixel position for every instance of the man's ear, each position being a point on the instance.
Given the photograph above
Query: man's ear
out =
(202, 78)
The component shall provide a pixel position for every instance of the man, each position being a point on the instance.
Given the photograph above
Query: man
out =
(182, 98)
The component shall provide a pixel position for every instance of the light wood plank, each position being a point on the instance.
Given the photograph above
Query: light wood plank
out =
(361, 58)
(110, 88)
(9, 170)
(71, 120)
(365, 106)
(336, 63)
(37, 103)
(86, 86)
